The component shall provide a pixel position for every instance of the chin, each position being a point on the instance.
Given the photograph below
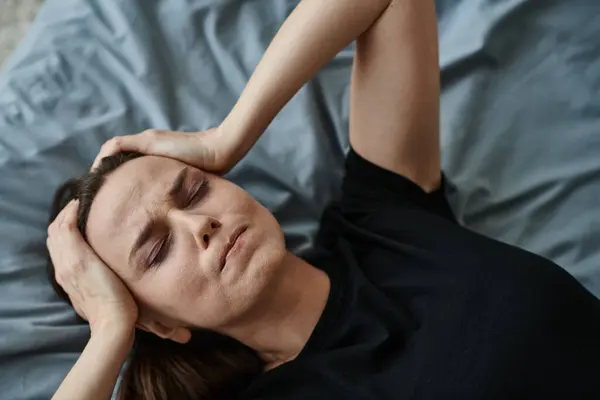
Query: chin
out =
(259, 261)
(268, 261)
(250, 287)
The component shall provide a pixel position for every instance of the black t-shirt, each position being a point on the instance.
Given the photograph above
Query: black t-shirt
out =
(422, 308)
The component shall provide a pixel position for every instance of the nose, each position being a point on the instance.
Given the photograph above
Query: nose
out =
(202, 227)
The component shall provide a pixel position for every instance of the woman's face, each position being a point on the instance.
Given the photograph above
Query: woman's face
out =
(167, 230)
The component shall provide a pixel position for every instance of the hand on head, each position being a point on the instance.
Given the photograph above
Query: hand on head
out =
(224, 201)
(96, 293)
(209, 150)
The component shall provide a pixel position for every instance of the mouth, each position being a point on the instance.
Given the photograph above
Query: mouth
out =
(229, 246)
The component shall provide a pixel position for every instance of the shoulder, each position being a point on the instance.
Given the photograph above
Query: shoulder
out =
(379, 201)
(368, 186)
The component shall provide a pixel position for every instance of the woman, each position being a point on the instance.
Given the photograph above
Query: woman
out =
(400, 302)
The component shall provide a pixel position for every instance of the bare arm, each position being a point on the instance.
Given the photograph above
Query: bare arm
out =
(99, 297)
(395, 81)
(394, 101)
(312, 35)
(95, 373)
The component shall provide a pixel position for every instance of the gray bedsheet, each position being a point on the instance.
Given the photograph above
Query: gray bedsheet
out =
(520, 132)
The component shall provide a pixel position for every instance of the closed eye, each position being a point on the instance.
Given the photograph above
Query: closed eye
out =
(197, 193)
(161, 251)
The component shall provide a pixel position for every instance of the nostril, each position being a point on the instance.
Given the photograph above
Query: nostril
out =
(206, 239)
(214, 225)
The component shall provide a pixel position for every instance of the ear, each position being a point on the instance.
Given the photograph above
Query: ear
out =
(179, 334)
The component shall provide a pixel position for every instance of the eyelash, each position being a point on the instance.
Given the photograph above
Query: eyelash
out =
(160, 254)
(197, 194)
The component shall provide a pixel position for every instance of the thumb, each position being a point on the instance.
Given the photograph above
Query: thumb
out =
(140, 142)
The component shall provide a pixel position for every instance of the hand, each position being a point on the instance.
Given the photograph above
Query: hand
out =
(209, 150)
(97, 294)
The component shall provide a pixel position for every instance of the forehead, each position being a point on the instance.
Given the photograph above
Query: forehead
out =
(125, 202)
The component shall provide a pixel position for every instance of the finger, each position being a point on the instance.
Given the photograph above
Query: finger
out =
(79, 310)
(67, 214)
(110, 147)
(141, 142)
(65, 242)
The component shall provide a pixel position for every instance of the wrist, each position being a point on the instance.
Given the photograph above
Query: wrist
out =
(113, 330)
(240, 132)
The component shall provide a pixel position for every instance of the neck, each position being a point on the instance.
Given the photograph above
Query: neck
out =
(281, 323)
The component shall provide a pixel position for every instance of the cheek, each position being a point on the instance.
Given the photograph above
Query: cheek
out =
(270, 245)
(170, 287)
(183, 290)
(228, 198)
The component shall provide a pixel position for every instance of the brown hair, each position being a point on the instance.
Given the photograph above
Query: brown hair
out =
(209, 366)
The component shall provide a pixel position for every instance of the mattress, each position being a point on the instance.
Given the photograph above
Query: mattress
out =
(520, 133)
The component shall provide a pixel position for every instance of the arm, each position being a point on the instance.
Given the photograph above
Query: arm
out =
(99, 297)
(395, 90)
(95, 373)
(394, 105)
(395, 80)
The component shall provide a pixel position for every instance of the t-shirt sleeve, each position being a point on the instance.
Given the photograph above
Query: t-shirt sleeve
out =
(367, 187)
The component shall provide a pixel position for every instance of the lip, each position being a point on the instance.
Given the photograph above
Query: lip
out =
(230, 243)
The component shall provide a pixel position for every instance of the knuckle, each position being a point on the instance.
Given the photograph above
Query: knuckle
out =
(151, 132)
(77, 267)
(115, 145)
(64, 277)
(52, 234)
(105, 145)
(70, 220)
(154, 133)
(64, 224)
(109, 146)
(70, 226)
(59, 278)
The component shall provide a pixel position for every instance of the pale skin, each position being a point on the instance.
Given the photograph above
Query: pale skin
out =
(261, 299)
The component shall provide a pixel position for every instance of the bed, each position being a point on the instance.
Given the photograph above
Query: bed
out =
(520, 133)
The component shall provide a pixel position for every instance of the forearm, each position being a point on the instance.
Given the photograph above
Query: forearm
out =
(96, 371)
(310, 37)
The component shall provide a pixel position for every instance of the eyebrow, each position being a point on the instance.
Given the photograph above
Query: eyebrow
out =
(146, 232)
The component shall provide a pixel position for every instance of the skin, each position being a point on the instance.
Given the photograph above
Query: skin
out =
(394, 118)
(186, 287)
